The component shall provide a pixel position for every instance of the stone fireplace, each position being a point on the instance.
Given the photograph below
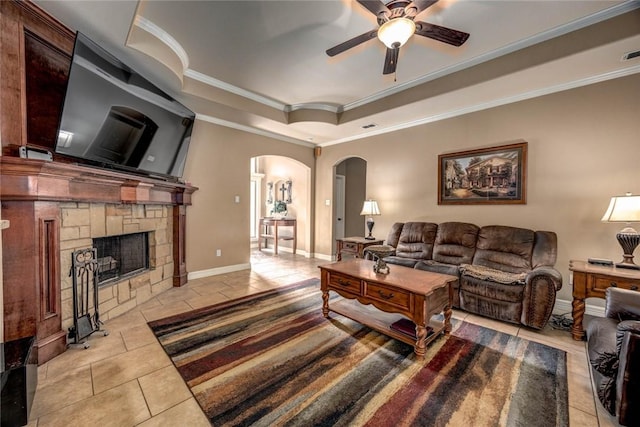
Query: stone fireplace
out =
(55, 209)
(84, 225)
(52, 208)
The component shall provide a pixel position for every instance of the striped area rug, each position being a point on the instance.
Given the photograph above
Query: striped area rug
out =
(272, 359)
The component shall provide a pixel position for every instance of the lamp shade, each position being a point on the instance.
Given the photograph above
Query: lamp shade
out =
(623, 209)
(396, 32)
(370, 207)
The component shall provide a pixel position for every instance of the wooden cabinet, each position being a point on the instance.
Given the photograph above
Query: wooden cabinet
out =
(32, 277)
(592, 281)
(36, 54)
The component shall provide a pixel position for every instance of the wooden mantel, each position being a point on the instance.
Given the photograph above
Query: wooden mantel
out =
(31, 193)
(28, 179)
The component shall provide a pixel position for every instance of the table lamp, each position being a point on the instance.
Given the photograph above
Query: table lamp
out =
(625, 209)
(370, 208)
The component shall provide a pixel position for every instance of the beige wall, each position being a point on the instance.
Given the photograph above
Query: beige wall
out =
(219, 165)
(278, 169)
(583, 147)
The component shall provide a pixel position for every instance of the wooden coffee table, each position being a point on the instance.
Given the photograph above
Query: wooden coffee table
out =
(415, 294)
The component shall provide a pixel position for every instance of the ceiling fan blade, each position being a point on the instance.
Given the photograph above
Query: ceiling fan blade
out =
(391, 60)
(374, 6)
(442, 34)
(421, 5)
(352, 43)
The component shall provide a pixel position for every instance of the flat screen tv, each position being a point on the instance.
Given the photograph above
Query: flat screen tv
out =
(114, 118)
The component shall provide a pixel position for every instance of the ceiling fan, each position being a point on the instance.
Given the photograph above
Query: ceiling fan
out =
(396, 22)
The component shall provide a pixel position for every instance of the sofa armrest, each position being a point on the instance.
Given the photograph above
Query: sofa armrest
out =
(628, 378)
(548, 273)
(541, 285)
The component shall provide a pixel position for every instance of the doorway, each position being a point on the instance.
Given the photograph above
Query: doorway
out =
(350, 188)
(339, 228)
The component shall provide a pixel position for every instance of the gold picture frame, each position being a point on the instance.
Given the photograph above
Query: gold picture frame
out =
(484, 176)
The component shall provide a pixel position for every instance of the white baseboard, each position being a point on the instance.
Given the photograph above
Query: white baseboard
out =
(324, 257)
(288, 250)
(215, 271)
(564, 306)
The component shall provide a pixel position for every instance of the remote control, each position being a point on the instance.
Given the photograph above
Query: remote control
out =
(600, 261)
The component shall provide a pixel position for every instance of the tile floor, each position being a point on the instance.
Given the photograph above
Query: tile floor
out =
(126, 379)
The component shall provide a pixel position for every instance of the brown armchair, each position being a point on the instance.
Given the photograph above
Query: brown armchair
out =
(613, 344)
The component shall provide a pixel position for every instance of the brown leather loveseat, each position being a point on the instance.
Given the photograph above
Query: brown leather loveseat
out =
(506, 273)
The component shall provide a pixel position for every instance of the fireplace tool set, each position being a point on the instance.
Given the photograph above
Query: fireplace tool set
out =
(86, 318)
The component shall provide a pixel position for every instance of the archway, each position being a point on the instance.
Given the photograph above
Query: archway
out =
(277, 181)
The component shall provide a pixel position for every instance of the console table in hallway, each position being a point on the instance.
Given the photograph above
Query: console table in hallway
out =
(266, 232)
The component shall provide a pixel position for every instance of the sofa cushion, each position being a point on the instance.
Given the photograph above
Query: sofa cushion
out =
(437, 267)
(508, 311)
(416, 240)
(394, 234)
(493, 275)
(512, 293)
(545, 249)
(399, 260)
(504, 248)
(455, 243)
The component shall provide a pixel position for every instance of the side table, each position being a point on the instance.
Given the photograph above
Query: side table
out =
(590, 280)
(266, 232)
(354, 246)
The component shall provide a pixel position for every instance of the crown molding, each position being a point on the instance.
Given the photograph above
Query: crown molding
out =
(603, 15)
(249, 129)
(211, 81)
(495, 103)
(164, 37)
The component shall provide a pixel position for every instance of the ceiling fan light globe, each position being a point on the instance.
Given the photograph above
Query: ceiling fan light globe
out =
(396, 32)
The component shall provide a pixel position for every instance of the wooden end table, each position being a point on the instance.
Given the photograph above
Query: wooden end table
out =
(415, 294)
(266, 232)
(354, 246)
(591, 280)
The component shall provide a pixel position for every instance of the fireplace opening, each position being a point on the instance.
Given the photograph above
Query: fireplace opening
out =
(121, 256)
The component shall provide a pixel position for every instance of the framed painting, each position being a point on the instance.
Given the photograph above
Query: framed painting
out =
(495, 175)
